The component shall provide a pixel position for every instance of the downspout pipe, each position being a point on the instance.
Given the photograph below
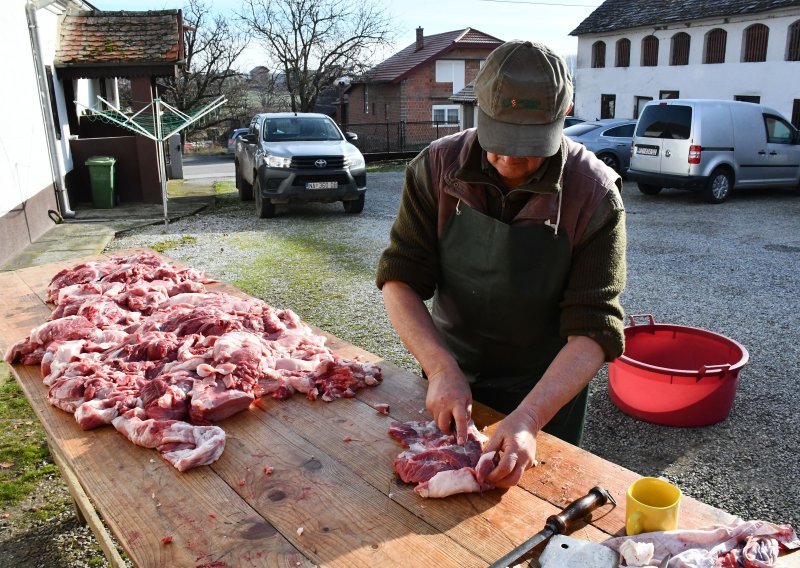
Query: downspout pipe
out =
(31, 7)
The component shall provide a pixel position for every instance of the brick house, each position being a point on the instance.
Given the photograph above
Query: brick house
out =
(413, 87)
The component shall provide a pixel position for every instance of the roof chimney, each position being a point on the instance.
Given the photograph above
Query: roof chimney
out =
(420, 39)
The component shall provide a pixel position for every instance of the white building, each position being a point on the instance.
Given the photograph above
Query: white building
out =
(632, 52)
(35, 150)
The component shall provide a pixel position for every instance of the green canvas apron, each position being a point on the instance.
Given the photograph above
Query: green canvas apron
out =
(497, 307)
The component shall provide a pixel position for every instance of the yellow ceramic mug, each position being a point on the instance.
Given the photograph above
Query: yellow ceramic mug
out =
(652, 505)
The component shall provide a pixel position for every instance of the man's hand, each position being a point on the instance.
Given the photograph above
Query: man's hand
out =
(449, 399)
(515, 439)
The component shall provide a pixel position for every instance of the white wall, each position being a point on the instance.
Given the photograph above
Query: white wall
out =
(776, 81)
(24, 165)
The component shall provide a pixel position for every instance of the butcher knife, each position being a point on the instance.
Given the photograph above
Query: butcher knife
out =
(558, 524)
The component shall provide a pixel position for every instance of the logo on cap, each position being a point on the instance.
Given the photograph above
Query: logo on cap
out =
(521, 103)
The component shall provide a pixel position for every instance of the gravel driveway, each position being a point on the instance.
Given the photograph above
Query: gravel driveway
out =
(732, 268)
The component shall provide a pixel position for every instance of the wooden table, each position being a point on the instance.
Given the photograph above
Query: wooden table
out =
(351, 508)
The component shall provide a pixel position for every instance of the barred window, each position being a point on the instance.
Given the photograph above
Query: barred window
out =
(598, 54)
(680, 49)
(623, 53)
(793, 40)
(716, 41)
(650, 51)
(755, 43)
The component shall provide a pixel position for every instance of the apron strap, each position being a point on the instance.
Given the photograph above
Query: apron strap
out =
(558, 215)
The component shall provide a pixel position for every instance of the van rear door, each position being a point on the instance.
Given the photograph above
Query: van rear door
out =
(662, 139)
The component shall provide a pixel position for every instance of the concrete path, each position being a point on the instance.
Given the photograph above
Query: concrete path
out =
(92, 229)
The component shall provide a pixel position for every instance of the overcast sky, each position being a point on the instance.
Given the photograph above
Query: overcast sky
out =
(546, 21)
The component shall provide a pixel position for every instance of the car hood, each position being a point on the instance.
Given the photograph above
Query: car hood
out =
(310, 148)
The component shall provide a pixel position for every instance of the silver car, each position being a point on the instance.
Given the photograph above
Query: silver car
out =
(609, 138)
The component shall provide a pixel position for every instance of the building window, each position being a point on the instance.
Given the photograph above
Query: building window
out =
(755, 43)
(650, 51)
(445, 114)
(669, 94)
(680, 49)
(638, 105)
(793, 41)
(598, 54)
(716, 41)
(608, 105)
(451, 71)
(623, 53)
(747, 98)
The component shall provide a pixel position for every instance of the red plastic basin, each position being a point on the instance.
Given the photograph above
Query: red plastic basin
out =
(676, 375)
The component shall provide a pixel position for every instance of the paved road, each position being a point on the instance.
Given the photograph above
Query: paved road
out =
(218, 167)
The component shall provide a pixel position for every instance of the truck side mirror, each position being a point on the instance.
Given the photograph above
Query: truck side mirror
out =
(351, 136)
(250, 138)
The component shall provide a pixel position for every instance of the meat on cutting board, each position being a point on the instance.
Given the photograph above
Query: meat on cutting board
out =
(435, 461)
(140, 344)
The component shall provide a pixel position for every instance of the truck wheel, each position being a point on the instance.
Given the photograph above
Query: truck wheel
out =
(265, 209)
(718, 187)
(648, 189)
(355, 206)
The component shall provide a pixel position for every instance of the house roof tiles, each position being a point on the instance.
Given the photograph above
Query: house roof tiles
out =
(623, 14)
(399, 65)
(119, 38)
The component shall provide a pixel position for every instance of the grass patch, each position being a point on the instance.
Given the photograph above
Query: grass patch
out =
(24, 457)
(221, 188)
(387, 166)
(163, 246)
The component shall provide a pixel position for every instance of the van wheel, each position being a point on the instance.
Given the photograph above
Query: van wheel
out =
(610, 160)
(265, 209)
(245, 189)
(648, 189)
(354, 206)
(718, 187)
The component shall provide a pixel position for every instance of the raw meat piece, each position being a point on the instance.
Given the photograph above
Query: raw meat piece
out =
(711, 546)
(183, 445)
(140, 344)
(64, 329)
(464, 480)
(439, 465)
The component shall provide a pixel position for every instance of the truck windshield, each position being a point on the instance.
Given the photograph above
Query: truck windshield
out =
(665, 121)
(297, 128)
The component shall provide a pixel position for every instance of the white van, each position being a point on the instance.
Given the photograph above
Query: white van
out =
(713, 146)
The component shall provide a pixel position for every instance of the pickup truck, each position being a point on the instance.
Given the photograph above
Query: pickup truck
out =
(292, 157)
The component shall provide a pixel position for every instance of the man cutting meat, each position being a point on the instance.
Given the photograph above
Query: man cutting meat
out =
(518, 234)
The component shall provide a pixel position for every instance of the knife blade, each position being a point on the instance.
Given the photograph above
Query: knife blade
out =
(558, 524)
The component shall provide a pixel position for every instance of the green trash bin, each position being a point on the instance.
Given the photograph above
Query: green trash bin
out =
(101, 175)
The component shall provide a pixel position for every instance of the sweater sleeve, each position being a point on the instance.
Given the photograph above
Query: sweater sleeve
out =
(591, 305)
(412, 254)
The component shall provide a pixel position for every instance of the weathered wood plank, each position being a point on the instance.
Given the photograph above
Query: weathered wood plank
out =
(344, 521)
(489, 524)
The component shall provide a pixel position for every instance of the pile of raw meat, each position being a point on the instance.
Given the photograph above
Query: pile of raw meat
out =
(437, 464)
(140, 344)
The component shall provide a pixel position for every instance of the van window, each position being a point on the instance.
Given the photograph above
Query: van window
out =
(778, 131)
(665, 121)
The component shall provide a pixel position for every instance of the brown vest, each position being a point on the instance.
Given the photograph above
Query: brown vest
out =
(585, 182)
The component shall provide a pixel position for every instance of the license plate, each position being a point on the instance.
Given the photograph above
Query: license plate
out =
(322, 184)
(647, 150)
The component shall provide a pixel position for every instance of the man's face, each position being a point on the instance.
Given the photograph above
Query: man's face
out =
(514, 170)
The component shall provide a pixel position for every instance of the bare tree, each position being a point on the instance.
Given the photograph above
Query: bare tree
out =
(315, 42)
(213, 45)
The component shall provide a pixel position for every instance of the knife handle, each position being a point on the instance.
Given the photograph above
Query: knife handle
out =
(579, 510)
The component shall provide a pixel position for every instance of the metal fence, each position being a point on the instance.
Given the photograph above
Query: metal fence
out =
(392, 137)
